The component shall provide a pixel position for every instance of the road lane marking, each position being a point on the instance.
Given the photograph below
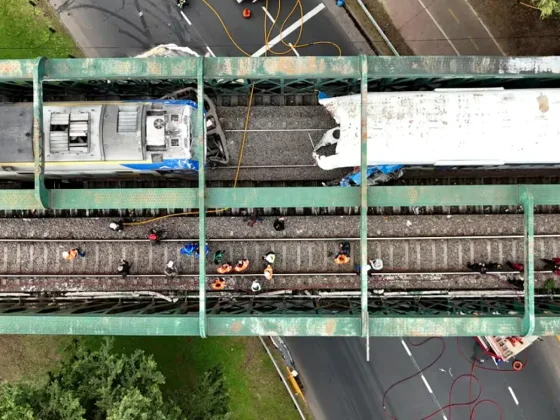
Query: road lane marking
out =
(486, 28)
(454, 16)
(293, 49)
(438, 26)
(289, 30)
(268, 14)
(474, 43)
(211, 52)
(406, 348)
(513, 395)
(186, 18)
(434, 398)
(427, 384)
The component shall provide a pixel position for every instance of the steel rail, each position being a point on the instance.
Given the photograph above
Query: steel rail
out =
(306, 239)
(329, 274)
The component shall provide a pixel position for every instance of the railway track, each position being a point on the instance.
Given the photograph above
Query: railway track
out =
(302, 263)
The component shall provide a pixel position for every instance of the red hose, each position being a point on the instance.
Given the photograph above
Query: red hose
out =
(476, 400)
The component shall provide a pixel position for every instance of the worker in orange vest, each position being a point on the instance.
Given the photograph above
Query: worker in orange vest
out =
(225, 268)
(241, 265)
(342, 258)
(73, 253)
(268, 272)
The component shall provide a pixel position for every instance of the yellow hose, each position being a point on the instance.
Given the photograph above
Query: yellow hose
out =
(267, 34)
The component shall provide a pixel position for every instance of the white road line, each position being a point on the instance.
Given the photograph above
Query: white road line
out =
(268, 14)
(434, 398)
(486, 28)
(427, 384)
(406, 348)
(211, 52)
(513, 395)
(186, 18)
(439, 27)
(289, 30)
(293, 49)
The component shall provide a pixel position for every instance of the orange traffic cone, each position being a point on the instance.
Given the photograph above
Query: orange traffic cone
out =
(246, 13)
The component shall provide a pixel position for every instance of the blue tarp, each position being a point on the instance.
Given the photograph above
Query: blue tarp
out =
(355, 177)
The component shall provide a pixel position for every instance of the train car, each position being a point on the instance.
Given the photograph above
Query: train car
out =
(87, 139)
(488, 128)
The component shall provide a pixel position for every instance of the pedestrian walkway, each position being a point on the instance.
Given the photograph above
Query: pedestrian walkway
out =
(442, 27)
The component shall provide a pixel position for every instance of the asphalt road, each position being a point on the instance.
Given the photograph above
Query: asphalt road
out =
(442, 27)
(121, 28)
(340, 384)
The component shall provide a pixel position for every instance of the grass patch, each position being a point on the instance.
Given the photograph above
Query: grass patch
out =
(24, 31)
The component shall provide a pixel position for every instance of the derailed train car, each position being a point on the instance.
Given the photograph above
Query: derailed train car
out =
(448, 128)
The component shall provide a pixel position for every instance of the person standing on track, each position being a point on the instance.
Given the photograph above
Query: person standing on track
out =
(279, 224)
(73, 253)
(224, 268)
(516, 266)
(123, 268)
(218, 257)
(268, 272)
(154, 236)
(117, 226)
(343, 256)
(241, 265)
(480, 267)
(552, 264)
(170, 269)
(269, 258)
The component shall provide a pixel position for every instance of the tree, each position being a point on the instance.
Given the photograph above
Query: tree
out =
(547, 7)
(93, 385)
(210, 399)
(102, 385)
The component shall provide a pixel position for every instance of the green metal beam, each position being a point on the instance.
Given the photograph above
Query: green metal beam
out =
(364, 203)
(529, 254)
(41, 193)
(201, 157)
(465, 66)
(287, 68)
(324, 325)
(282, 197)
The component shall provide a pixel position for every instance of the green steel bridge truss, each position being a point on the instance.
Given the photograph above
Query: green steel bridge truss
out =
(366, 316)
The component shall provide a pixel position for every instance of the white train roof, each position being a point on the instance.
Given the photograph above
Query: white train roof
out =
(447, 128)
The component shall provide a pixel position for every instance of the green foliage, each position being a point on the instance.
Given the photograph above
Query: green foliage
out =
(549, 285)
(100, 385)
(13, 403)
(547, 7)
(210, 399)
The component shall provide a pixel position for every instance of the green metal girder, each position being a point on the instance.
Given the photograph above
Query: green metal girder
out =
(529, 261)
(200, 135)
(364, 202)
(324, 325)
(282, 197)
(284, 68)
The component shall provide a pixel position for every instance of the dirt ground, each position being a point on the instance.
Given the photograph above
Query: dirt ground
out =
(519, 29)
(28, 357)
